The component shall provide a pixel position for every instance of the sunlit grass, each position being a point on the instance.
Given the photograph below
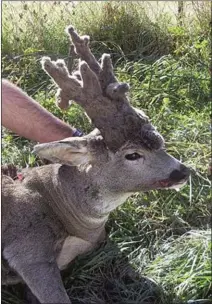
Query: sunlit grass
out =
(159, 242)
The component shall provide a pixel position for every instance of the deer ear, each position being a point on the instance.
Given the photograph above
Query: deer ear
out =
(72, 151)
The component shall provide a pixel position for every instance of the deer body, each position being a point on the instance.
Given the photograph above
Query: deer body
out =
(61, 200)
(59, 211)
(48, 198)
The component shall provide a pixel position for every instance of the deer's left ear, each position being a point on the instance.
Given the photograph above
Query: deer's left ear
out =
(72, 151)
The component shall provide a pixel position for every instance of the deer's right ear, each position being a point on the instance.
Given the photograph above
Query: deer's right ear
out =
(72, 151)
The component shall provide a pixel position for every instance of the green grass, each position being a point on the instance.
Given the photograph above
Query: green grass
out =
(183, 265)
(158, 247)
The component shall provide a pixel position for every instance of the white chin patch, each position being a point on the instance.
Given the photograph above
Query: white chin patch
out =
(176, 187)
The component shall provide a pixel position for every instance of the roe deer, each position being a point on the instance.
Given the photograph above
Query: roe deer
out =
(59, 211)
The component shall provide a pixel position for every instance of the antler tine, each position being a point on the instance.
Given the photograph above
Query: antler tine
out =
(104, 72)
(91, 85)
(82, 49)
(69, 87)
(109, 82)
(107, 75)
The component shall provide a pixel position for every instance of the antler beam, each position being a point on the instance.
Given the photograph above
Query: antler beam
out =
(104, 99)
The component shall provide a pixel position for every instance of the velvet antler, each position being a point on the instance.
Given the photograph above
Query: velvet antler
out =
(104, 99)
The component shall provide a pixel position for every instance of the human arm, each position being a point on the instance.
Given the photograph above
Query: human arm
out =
(24, 116)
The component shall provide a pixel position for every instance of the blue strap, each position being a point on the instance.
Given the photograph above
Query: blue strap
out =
(78, 133)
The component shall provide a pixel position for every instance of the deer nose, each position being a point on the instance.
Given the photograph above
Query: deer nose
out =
(178, 175)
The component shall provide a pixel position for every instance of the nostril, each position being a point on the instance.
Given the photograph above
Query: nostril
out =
(178, 175)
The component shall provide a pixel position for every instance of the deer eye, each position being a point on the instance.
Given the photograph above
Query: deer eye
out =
(133, 156)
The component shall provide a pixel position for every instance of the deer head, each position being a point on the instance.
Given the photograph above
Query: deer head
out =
(127, 148)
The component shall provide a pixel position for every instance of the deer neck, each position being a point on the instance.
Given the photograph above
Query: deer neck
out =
(85, 201)
(80, 199)
(102, 199)
(74, 202)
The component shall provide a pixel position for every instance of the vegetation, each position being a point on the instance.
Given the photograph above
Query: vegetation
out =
(158, 249)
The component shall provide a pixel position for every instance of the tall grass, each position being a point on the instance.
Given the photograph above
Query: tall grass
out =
(162, 251)
(128, 30)
(104, 21)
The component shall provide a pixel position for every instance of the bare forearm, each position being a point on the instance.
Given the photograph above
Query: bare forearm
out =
(22, 115)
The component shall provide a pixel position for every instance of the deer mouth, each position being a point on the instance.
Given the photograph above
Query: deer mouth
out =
(166, 183)
(169, 184)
